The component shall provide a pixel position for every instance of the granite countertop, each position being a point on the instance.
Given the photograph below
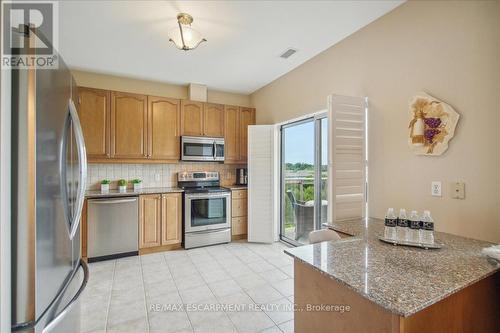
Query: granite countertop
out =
(403, 280)
(130, 192)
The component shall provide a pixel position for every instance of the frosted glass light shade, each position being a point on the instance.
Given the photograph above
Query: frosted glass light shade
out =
(186, 38)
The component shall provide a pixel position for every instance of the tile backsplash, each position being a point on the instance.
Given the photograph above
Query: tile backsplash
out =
(155, 175)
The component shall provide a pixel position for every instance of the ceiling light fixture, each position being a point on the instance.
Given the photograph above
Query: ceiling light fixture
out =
(186, 38)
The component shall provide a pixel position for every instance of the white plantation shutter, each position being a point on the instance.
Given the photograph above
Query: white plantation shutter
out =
(261, 175)
(347, 157)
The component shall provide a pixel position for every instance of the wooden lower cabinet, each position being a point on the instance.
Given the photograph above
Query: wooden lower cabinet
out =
(160, 220)
(171, 218)
(239, 207)
(239, 213)
(239, 226)
(149, 220)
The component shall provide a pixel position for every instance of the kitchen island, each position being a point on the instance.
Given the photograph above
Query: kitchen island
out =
(371, 286)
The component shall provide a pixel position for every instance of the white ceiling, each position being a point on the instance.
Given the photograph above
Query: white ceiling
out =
(245, 38)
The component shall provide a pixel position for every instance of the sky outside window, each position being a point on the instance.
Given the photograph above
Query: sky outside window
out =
(299, 143)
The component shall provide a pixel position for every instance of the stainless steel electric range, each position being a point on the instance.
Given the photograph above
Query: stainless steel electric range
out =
(207, 209)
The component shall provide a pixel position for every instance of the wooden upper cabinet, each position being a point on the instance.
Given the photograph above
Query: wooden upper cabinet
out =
(171, 221)
(93, 109)
(150, 220)
(231, 134)
(191, 118)
(213, 119)
(164, 121)
(128, 125)
(120, 127)
(247, 117)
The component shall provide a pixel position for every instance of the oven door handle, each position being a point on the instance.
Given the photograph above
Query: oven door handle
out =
(208, 195)
(210, 231)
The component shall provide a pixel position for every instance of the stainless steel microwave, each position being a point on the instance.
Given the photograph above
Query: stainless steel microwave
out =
(196, 148)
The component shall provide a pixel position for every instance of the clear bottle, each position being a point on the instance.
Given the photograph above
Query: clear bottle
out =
(414, 230)
(390, 225)
(402, 227)
(427, 229)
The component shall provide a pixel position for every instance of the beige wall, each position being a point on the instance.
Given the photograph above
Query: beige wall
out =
(450, 50)
(103, 81)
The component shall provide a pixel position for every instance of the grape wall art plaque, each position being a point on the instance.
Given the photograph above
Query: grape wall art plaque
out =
(432, 125)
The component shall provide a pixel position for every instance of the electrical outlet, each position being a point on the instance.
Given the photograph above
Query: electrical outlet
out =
(458, 190)
(436, 189)
(157, 177)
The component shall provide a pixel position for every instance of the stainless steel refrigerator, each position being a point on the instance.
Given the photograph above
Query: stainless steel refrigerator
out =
(48, 187)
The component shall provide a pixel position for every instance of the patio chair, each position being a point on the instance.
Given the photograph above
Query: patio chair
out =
(303, 215)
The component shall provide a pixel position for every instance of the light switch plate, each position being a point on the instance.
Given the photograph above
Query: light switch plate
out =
(436, 189)
(458, 190)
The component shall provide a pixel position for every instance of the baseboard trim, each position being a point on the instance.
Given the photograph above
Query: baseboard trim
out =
(238, 237)
(162, 248)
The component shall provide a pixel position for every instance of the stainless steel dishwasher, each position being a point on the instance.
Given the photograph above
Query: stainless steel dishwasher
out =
(112, 228)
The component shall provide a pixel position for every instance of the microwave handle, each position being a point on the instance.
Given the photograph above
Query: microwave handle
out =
(215, 150)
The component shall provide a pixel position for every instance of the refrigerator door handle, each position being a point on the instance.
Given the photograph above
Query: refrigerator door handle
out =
(29, 326)
(54, 322)
(82, 158)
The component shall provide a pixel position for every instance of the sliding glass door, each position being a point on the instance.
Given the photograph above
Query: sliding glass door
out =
(304, 166)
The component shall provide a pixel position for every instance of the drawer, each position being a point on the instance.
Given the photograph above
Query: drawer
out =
(239, 207)
(239, 226)
(239, 194)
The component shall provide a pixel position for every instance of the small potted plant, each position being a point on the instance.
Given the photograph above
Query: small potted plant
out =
(137, 184)
(105, 185)
(122, 185)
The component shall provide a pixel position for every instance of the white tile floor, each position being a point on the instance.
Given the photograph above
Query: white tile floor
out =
(147, 293)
